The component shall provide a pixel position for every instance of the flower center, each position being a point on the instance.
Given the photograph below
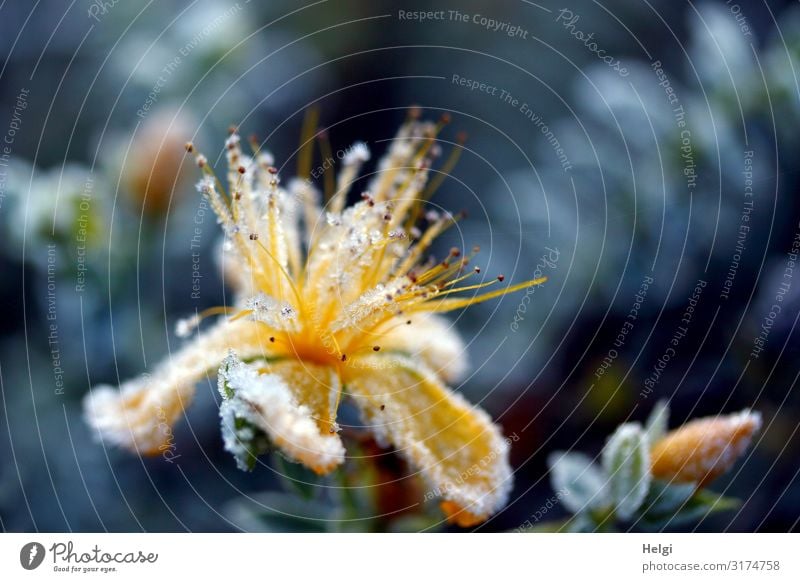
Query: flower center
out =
(312, 348)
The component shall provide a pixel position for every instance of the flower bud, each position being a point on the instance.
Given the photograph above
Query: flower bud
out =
(703, 449)
(153, 172)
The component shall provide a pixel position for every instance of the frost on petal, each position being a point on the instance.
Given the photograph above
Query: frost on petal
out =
(458, 450)
(138, 415)
(702, 450)
(370, 306)
(277, 315)
(289, 403)
(430, 337)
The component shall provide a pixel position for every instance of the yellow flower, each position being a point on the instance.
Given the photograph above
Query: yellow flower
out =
(703, 449)
(333, 302)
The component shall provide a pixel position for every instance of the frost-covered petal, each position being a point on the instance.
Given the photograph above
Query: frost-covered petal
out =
(430, 337)
(139, 414)
(458, 450)
(293, 403)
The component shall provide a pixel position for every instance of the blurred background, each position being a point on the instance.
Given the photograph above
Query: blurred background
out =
(642, 155)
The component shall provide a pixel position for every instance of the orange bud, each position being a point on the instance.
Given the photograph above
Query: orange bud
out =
(703, 449)
(153, 171)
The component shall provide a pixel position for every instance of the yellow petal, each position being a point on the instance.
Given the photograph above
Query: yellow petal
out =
(293, 403)
(139, 414)
(431, 338)
(458, 450)
(703, 449)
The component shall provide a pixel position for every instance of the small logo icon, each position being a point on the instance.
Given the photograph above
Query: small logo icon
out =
(31, 555)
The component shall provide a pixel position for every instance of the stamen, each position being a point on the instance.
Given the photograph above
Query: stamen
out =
(306, 149)
(451, 304)
(327, 172)
(447, 168)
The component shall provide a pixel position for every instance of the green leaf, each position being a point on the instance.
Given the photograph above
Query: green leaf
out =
(626, 459)
(667, 498)
(574, 524)
(581, 483)
(253, 442)
(671, 511)
(296, 477)
(657, 422)
(415, 523)
(662, 503)
(705, 503)
(583, 523)
(279, 512)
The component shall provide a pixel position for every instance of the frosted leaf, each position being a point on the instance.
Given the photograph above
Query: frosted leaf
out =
(581, 481)
(226, 368)
(626, 460)
(240, 437)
